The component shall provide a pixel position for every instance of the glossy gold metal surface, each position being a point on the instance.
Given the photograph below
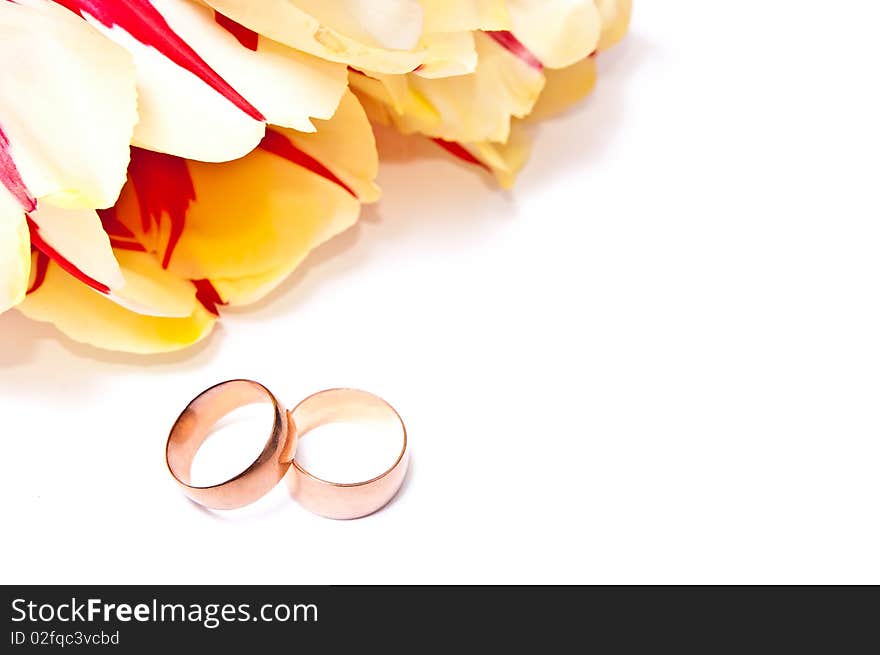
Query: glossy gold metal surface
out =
(194, 426)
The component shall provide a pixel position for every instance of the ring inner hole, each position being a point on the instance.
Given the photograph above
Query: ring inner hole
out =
(353, 448)
(233, 444)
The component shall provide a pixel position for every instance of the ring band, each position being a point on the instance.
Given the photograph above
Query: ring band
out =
(193, 427)
(346, 500)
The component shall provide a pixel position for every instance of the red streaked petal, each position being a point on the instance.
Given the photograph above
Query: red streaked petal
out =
(246, 37)
(508, 41)
(118, 244)
(208, 296)
(144, 22)
(40, 268)
(163, 186)
(458, 150)
(112, 225)
(121, 238)
(280, 145)
(40, 244)
(11, 178)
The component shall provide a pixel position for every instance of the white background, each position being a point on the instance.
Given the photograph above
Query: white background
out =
(656, 360)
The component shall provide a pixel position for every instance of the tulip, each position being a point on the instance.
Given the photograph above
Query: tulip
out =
(162, 159)
(122, 73)
(191, 237)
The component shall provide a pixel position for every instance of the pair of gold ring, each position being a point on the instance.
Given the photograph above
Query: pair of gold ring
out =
(278, 458)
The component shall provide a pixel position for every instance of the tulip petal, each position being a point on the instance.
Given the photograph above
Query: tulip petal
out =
(350, 159)
(10, 178)
(76, 241)
(185, 105)
(448, 54)
(465, 108)
(67, 105)
(376, 35)
(248, 216)
(503, 160)
(615, 21)
(564, 88)
(151, 291)
(246, 263)
(288, 87)
(346, 146)
(465, 15)
(96, 320)
(244, 225)
(15, 252)
(391, 24)
(558, 32)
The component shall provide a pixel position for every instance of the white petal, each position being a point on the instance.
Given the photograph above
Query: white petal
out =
(180, 114)
(287, 86)
(392, 24)
(150, 290)
(77, 242)
(365, 34)
(558, 32)
(15, 252)
(79, 238)
(67, 104)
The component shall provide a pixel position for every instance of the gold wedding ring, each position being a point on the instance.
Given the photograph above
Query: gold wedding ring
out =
(277, 459)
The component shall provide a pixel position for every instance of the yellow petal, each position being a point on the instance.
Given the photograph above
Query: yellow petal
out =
(96, 320)
(15, 252)
(558, 32)
(615, 21)
(448, 54)
(373, 35)
(396, 93)
(465, 15)
(246, 224)
(505, 160)
(151, 291)
(565, 87)
(281, 211)
(466, 108)
(345, 144)
(67, 104)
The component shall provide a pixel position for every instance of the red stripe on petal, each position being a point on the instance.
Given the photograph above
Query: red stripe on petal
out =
(144, 22)
(208, 296)
(280, 145)
(512, 44)
(41, 245)
(11, 178)
(246, 37)
(121, 237)
(112, 225)
(39, 271)
(458, 150)
(163, 186)
(134, 246)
